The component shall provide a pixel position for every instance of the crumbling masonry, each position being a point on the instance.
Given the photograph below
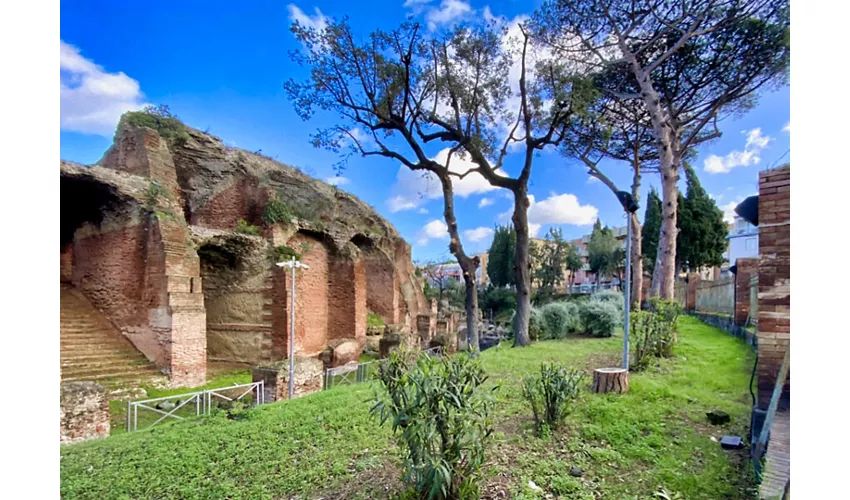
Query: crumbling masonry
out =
(150, 239)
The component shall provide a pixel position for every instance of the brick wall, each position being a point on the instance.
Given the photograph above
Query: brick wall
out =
(381, 288)
(774, 280)
(746, 269)
(311, 296)
(347, 299)
(83, 412)
(243, 199)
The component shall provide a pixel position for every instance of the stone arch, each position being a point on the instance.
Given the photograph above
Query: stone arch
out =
(382, 296)
(235, 270)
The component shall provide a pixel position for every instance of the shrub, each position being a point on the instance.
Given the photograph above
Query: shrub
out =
(443, 419)
(556, 315)
(574, 322)
(283, 253)
(600, 318)
(653, 336)
(669, 309)
(497, 299)
(243, 227)
(160, 119)
(373, 319)
(276, 211)
(550, 392)
(154, 193)
(609, 296)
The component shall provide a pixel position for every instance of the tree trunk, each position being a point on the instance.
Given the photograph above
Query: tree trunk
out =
(637, 263)
(664, 274)
(521, 268)
(467, 265)
(610, 380)
(471, 309)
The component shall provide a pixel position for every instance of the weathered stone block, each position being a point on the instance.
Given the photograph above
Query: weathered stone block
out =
(307, 378)
(346, 352)
(83, 412)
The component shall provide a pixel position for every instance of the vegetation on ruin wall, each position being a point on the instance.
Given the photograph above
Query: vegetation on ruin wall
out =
(327, 444)
(160, 119)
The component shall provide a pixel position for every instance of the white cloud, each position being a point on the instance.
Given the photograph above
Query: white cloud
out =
(787, 127)
(591, 179)
(318, 21)
(91, 100)
(338, 180)
(751, 155)
(449, 11)
(413, 188)
(434, 230)
(485, 202)
(478, 234)
(423, 210)
(729, 210)
(556, 209)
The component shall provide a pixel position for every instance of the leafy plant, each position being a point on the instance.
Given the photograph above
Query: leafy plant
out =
(282, 253)
(550, 392)
(600, 318)
(669, 309)
(443, 419)
(154, 193)
(373, 319)
(276, 211)
(609, 296)
(556, 315)
(243, 227)
(160, 119)
(654, 337)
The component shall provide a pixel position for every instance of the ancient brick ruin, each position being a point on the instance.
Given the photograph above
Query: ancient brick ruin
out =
(150, 240)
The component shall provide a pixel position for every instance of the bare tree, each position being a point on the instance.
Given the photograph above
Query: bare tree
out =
(690, 63)
(407, 90)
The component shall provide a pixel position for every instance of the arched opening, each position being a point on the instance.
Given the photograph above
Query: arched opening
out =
(234, 270)
(381, 291)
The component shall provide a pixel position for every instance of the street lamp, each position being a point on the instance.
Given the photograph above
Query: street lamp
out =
(630, 206)
(292, 264)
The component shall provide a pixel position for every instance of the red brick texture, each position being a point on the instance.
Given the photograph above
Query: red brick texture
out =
(774, 281)
(244, 199)
(747, 268)
(83, 412)
(311, 296)
(382, 290)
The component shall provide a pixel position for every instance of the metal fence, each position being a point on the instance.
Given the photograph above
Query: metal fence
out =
(190, 404)
(355, 374)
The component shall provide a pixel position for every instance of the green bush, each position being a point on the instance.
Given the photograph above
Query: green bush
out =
(556, 315)
(609, 296)
(160, 119)
(600, 318)
(574, 322)
(550, 392)
(496, 299)
(276, 211)
(243, 227)
(669, 309)
(654, 337)
(373, 319)
(443, 418)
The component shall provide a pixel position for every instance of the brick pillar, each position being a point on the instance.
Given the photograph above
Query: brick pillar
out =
(774, 281)
(691, 296)
(747, 268)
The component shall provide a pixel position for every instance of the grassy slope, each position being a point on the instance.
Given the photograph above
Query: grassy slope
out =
(626, 445)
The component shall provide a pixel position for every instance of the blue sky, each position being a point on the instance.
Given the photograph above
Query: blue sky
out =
(221, 65)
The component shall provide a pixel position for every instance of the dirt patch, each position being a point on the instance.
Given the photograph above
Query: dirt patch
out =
(377, 479)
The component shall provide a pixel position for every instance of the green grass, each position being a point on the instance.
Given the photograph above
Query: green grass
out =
(328, 444)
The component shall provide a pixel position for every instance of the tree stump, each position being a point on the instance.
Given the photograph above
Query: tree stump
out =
(610, 380)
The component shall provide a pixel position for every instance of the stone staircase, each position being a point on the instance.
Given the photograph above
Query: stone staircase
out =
(91, 348)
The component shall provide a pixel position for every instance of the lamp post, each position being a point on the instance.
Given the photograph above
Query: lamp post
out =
(292, 264)
(630, 206)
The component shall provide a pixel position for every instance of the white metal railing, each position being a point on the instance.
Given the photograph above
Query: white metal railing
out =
(169, 407)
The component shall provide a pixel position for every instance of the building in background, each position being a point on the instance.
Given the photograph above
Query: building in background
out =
(743, 240)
